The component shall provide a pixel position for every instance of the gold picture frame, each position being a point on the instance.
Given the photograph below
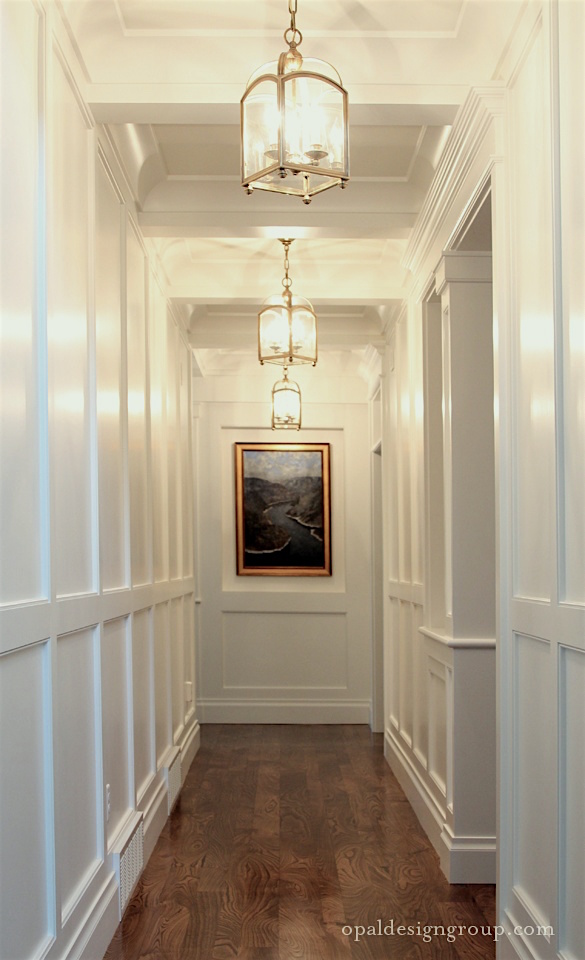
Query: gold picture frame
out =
(283, 509)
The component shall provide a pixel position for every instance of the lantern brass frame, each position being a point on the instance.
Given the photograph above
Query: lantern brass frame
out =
(281, 165)
(293, 387)
(289, 358)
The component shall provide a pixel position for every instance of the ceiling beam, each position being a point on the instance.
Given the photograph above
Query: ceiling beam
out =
(191, 103)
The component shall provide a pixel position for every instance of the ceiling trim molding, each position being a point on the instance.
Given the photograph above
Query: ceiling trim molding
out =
(470, 137)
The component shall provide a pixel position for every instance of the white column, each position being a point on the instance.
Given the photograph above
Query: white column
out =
(465, 648)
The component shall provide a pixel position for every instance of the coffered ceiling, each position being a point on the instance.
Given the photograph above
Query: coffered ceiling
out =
(166, 78)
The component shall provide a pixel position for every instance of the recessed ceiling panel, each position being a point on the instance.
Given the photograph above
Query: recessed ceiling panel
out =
(428, 17)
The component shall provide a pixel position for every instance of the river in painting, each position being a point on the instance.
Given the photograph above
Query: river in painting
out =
(303, 550)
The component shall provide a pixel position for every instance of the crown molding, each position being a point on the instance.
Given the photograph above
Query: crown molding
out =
(473, 139)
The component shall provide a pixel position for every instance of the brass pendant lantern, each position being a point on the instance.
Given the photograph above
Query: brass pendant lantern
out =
(286, 404)
(287, 325)
(294, 124)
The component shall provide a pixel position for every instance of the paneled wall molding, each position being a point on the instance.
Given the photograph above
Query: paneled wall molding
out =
(284, 649)
(94, 678)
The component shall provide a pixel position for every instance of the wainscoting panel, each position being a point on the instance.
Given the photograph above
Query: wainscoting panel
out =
(188, 655)
(162, 682)
(26, 835)
(284, 649)
(534, 749)
(405, 663)
(85, 705)
(177, 667)
(78, 789)
(439, 733)
(143, 701)
(23, 478)
(270, 652)
(118, 775)
(571, 858)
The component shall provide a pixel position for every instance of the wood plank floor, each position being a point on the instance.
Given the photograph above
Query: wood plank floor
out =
(284, 838)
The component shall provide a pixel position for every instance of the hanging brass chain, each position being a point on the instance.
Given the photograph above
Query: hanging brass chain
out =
(286, 281)
(295, 35)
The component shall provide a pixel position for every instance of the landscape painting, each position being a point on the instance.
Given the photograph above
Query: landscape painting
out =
(283, 509)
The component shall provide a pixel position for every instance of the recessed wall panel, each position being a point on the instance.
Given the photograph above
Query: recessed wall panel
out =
(421, 721)
(110, 384)
(22, 404)
(71, 422)
(403, 461)
(138, 437)
(406, 668)
(391, 479)
(173, 448)
(162, 681)
(76, 784)
(533, 336)
(534, 758)
(572, 152)
(417, 454)
(392, 656)
(26, 880)
(437, 713)
(572, 801)
(189, 645)
(177, 665)
(115, 710)
(187, 492)
(143, 696)
(269, 650)
(158, 425)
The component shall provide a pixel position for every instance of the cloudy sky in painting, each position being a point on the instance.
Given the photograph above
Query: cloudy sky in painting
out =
(281, 465)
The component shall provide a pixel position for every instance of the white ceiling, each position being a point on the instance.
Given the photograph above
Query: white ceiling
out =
(166, 77)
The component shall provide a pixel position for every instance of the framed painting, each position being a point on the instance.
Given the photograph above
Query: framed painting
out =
(283, 509)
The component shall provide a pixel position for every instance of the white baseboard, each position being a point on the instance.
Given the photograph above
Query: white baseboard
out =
(466, 859)
(98, 927)
(155, 817)
(283, 711)
(189, 748)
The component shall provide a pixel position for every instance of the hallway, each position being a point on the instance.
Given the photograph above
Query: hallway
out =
(139, 657)
(283, 838)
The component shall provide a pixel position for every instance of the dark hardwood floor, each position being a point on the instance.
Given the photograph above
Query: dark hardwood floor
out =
(284, 838)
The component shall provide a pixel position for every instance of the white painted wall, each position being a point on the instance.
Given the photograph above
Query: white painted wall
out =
(96, 582)
(284, 649)
(524, 139)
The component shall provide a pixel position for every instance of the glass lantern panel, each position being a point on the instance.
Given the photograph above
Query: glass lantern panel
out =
(260, 125)
(314, 124)
(304, 332)
(273, 332)
(286, 405)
